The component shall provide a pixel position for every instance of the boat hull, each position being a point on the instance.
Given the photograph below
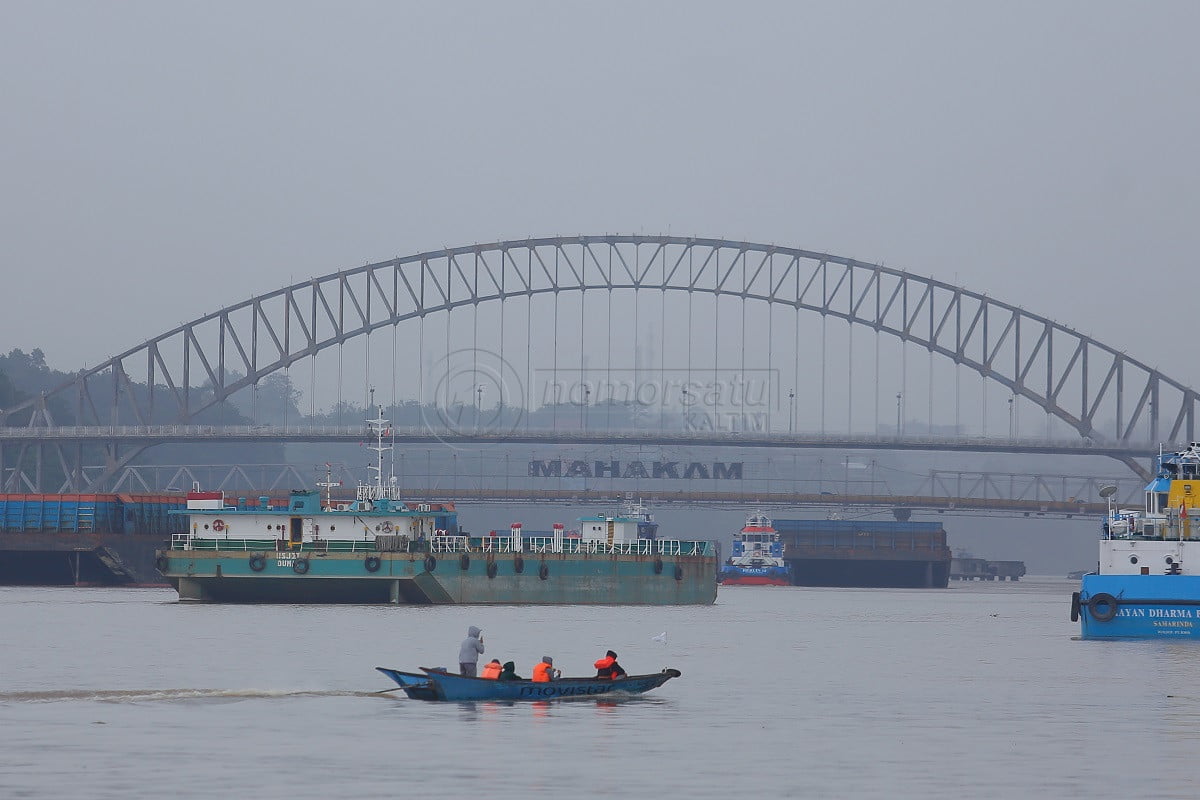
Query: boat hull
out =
(443, 686)
(444, 579)
(755, 576)
(754, 580)
(1139, 607)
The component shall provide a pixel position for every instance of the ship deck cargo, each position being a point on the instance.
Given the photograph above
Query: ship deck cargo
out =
(84, 539)
(857, 553)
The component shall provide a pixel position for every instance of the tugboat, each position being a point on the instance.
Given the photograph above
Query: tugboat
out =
(757, 558)
(380, 548)
(1147, 584)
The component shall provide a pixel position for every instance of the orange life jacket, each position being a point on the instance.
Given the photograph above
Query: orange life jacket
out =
(541, 672)
(604, 668)
(492, 670)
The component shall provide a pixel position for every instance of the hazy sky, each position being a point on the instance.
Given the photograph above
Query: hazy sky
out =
(162, 160)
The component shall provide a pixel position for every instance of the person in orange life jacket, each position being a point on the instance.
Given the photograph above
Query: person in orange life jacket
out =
(491, 670)
(608, 667)
(544, 671)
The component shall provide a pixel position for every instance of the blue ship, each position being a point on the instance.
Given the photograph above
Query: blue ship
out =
(757, 558)
(1147, 584)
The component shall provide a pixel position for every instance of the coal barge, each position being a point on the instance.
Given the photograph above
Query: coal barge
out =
(871, 554)
(85, 539)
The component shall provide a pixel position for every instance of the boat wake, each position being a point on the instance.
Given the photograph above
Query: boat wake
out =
(169, 695)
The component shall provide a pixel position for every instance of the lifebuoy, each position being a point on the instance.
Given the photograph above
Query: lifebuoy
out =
(258, 563)
(161, 564)
(1102, 606)
(658, 566)
(218, 525)
(430, 563)
(300, 566)
(491, 569)
(464, 562)
(543, 571)
(518, 565)
(387, 526)
(371, 563)
(678, 572)
(1075, 606)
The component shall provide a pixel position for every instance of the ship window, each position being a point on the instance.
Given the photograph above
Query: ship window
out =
(1133, 559)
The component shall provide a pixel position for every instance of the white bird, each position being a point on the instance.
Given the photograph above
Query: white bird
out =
(662, 637)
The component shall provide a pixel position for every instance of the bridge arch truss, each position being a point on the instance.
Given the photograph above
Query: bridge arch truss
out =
(1098, 391)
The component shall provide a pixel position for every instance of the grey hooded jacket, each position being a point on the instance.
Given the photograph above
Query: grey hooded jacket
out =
(471, 647)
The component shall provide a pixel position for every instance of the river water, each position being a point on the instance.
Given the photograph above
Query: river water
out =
(979, 690)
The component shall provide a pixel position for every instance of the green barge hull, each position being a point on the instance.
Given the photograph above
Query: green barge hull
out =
(415, 578)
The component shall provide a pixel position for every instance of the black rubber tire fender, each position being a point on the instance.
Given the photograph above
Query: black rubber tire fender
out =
(162, 564)
(464, 562)
(258, 563)
(518, 565)
(678, 572)
(658, 566)
(430, 563)
(1105, 601)
(1075, 606)
(491, 569)
(372, 563)
(543, 571)
(300, 566)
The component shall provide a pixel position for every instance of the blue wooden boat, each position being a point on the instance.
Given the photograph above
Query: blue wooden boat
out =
(436, 684)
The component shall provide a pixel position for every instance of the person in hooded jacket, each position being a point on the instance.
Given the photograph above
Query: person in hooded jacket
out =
(608, 667)
(509, 673)
(469, 652)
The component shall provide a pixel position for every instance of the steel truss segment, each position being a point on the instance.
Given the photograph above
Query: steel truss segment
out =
(915, 314)
(362, 309)
(749, 282)
(1066, 372)
(498, 284)
(951, 310)
(1000, 340)
(793, 264)
(739, 257)
(576, 272)
(831, 294)
(228, 330)
(261, 320)
(516, 269)
(897, 292)
(869, 288)
(818, 270)
(695, 282)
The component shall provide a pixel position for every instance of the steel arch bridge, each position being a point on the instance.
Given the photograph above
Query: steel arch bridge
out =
(1102, 394)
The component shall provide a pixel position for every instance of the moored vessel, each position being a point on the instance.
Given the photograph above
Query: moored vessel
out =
(1147, 582)
(438, 684)
(757, 557)
(379, 548)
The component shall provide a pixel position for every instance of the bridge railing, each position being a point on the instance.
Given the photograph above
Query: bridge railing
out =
(606, 435)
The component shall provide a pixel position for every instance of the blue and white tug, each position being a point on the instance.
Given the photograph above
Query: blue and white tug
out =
(757, 557)
(1147, 584)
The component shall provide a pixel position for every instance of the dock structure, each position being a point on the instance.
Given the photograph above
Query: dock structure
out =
(854, 553)
(967, 568)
